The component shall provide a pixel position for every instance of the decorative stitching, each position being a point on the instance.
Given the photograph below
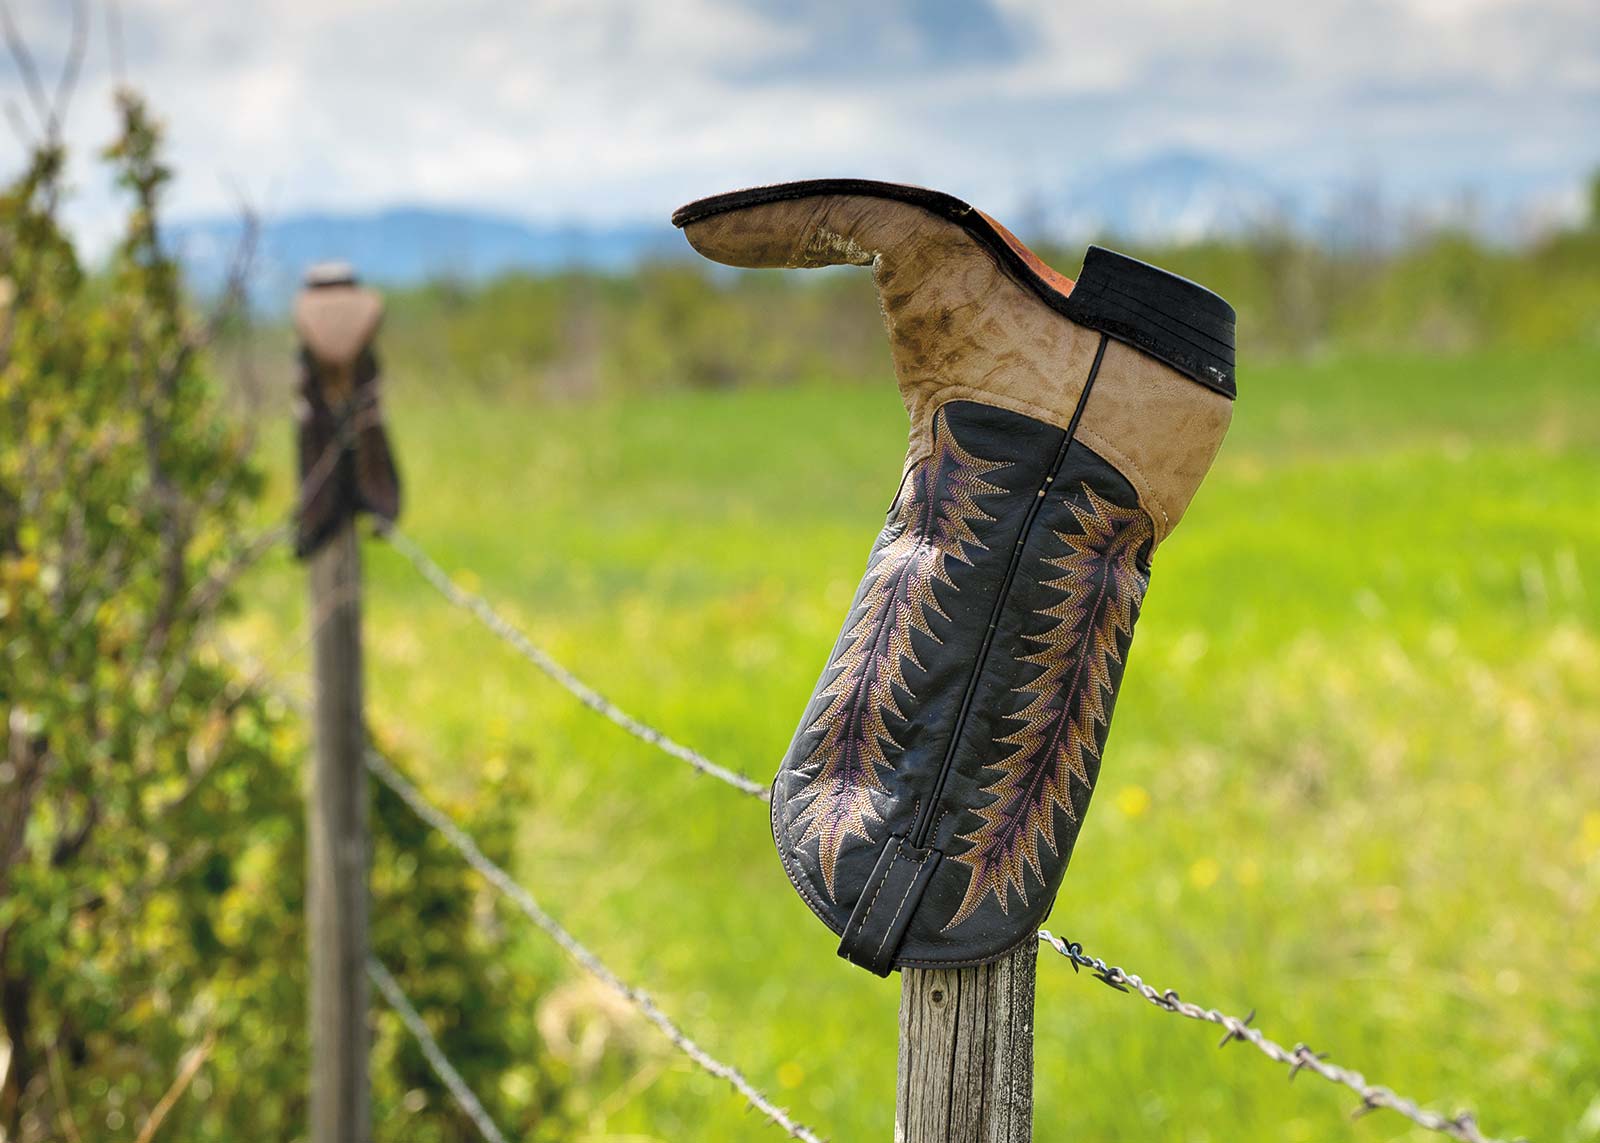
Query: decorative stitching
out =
(910, 885)
(800, 881)
(933, 527)
(1137, 478)
(882, 881)
(1068, 708)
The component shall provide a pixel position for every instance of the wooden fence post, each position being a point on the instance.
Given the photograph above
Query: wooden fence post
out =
(346, 469)
(336, 821)
(966, 1053)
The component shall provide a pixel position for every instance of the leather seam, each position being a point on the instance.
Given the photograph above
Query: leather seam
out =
(920, 829)
(801, 883)
(971, 962)
(1042, 413)
(1135, 476)
(910, 885)
(872, 904)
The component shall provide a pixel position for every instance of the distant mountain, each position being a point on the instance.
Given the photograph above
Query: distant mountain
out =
(1169, 197)
(1176, 196)
(410, 245)
(1182, 196)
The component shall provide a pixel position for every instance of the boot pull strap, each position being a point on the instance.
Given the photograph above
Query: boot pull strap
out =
(880, 919)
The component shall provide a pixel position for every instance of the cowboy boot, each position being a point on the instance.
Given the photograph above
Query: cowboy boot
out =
(346, 466)
(928, 805)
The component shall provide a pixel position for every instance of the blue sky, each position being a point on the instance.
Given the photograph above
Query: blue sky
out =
(604, 109)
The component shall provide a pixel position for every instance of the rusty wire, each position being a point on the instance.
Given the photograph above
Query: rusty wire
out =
(1463, 1125)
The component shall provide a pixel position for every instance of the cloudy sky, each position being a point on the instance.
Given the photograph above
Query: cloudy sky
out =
(609, 109)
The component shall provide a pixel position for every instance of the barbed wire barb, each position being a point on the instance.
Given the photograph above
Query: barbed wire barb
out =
(1462, 1126)
(431, 1051)
(513, 636)
(589, 961)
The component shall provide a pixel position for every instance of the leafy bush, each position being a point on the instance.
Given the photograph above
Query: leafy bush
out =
(151, 839)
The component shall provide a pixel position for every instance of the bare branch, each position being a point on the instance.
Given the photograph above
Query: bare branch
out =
(119, 58)
(247, 388)
(19, 125)
(27, 757)
(211, 592)
(58, 1084)
(236, 286)
(23, 58)
(71, 67)
(180, 1084)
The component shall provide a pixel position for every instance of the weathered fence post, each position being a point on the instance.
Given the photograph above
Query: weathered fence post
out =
(345, 469)
(966, 1053)
(336, 823)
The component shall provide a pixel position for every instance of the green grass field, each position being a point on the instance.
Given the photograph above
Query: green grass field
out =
(1354, 779)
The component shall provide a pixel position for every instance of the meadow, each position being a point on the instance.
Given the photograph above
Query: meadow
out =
(1353, 783)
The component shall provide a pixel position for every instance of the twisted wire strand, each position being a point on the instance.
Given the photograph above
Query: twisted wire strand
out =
(1462, 1126)
(513, 636)
(501, 880)
(431, 1051)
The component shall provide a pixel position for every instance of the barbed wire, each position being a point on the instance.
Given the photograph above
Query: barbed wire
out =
(589, 961)
(1463, 1125)
(513, 636)
(432, 1052)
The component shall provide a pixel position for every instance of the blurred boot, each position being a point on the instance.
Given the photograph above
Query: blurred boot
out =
(928, 806)
(345, 463)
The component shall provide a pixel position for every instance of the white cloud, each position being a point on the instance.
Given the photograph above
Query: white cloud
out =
(614, 108)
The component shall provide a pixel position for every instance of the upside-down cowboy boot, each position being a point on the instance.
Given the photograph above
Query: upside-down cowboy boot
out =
(345, 463)
(929, 803)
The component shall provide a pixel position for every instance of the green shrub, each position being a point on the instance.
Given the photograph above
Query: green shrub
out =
(151, 840)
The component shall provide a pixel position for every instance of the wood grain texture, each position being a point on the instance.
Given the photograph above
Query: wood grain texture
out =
(336, 823)
(966, 1053)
